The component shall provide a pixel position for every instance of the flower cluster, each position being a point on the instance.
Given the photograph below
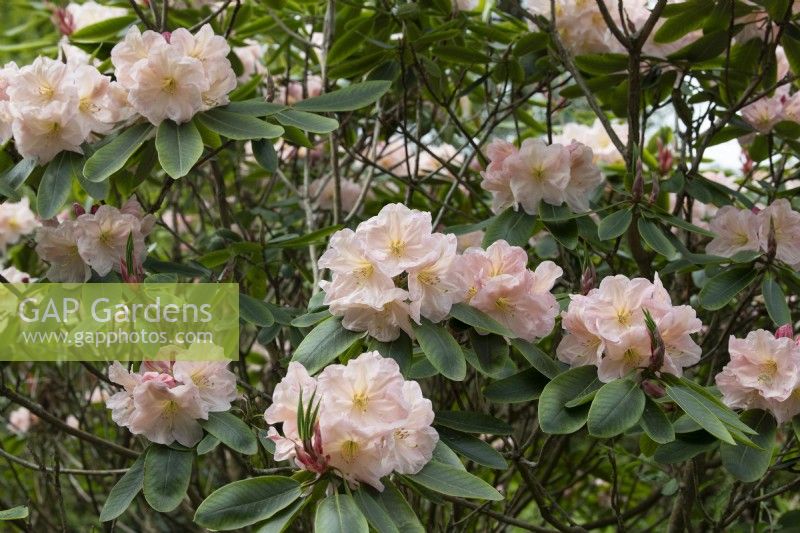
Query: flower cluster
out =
(371, 422)
(16, 221)
(763, 373)
(740, 230)
(499, 283)
(767, 111)
(398, 248)
(77, 16)
(607, 328)
(174, 75)
(539, 172)
(96, 240)
(164, 400)
(595, 137)
(50, 106)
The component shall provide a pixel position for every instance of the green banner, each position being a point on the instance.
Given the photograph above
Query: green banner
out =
(119, 321)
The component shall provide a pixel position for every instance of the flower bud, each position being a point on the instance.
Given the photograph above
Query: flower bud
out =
(655, 190)
(588, 279)
(772, 243)
(637, 189)
(78, 209)
(785, 331)
(653, 389)
(657, 347)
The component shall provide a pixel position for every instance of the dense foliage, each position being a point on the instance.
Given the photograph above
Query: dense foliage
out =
(502, 266)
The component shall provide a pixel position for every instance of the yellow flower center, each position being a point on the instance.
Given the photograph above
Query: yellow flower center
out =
(360, 401)
(349, 450)
(504, 305)
(631, 357)
(169, 85)
(364, 270)
(426, 277)
(397, 247)
(768, 370)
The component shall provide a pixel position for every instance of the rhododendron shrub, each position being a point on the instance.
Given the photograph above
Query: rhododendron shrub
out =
(502, 265)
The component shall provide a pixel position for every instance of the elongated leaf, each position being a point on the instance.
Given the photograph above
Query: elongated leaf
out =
(471, 422)
(15, 513)
(350, 98)
(280, 521)
(338, 513)
(478, 319)
(515, 227)
(746, 463)
(243, 503)
(554, 417)
(401, 512)
(324, 344)
(265, 155)
(442, 350)
(179, 147)
(166, 477)
(616, 407)
(310, 319)
(400, 349)
(255, 311)
(699, 412)
(112, 156)
(656, 239)
(315, 237)
(375, 512)
(13, 178)
(656, 424)
(723, 287)
(238, 126)
(538, 359)
(207, 445)
(775, 301)
(56, 184)
(307, 121)
(232, 432)
(105, 30)
(521, 387)
(123, 493)
(684, 447)
(452, 481)
(615, 224)
(473, 448)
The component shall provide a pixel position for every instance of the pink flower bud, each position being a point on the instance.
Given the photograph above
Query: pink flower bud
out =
(653, 389)
(167, 35)
(785, 331)
(78, 209)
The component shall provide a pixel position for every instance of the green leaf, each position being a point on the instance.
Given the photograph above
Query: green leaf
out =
(179, 147)
(472, 422)
(616, 407)
(699, 411)
(514, 227)
(15, 513)
(13, 178)
(123, 493)
(166, 476)
(566, 232)
(704, 48)
(56, 184)
(521, 387)
(255, 311)
(310, 319)
(106, 30)
(324, 344)
(112, 156)
(478, 319)
(401, 512)
(280, 521)
(243, 503)
(600, 64)
(350, 98)
(473, 449)
(684, 447)
(338, 513)
(459, 54)
(746, 463)
(656, 239)
(238, 126)
(656, 424)
(256, 107)
(554, 417)
(442, 350)
(615, 224)
(538, 359)
(231, 431)
(722, 288)
(400, 349)
(453, 481)
(775, 301)
(207, 445)
(315, 237)
(375, 512)
(307, 121)
(689, 19)
(265, 155)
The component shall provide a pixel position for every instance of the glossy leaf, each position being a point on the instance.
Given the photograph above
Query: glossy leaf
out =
(179, 147)
(167, 472)
(324, 344)
(245, 502)
(231, 431)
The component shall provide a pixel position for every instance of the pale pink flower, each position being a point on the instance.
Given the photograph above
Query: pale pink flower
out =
(14, 275)
(44, 82)
(538, 173)
(579, 346)
(367, 391)
(16, 221)
(90, 12)
(204, 45)
(629, 352)
(73, 422)
(787, 409)
(505, 259)
(59, 247)
(354, 451)
(293, 91)
(736, 230)
(469, 240)
(616, 306)
(286, 398)
(43, 132)
(21, 420)
(251, 57)
(585, 177)
(216, 385)
(433, 286)
(786, 223)
(7, 72)
(136, 47)
(168, 85)
(383, 318)
(595, 137)
(121, 403)
(103, 238)
(770, 365)
(579, 22)
(398, 238)
(767, 111)
(675, 325)
(165, 414)
(410, 445)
